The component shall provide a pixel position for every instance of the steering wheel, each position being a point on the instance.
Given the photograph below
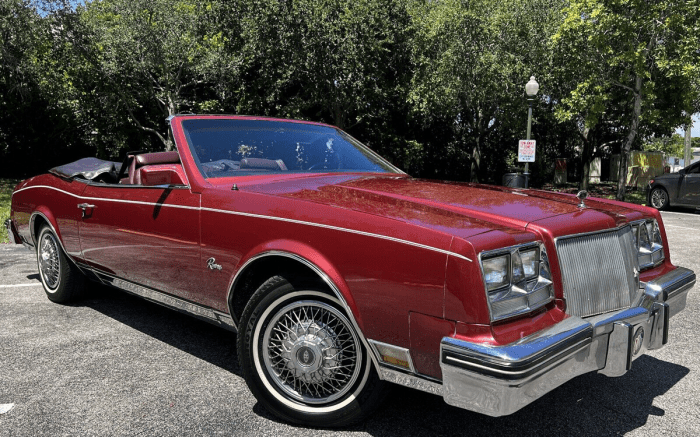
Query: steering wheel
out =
(333, 163)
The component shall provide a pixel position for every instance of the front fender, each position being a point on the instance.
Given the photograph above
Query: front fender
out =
(308, 256)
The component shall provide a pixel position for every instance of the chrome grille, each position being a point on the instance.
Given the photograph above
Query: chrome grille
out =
(597, 271)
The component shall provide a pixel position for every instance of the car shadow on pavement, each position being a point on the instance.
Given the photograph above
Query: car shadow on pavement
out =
(591, 404)
(685, 209)
(193, 336)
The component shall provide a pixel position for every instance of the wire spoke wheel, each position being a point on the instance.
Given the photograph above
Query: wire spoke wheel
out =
(49, 262)
(311, 353)
(304, 358)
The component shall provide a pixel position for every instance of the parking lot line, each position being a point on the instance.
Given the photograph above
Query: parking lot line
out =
(690, 213)
(681, 227)
(20, 285)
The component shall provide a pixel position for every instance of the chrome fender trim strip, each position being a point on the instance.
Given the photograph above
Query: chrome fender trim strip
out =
(48, 222)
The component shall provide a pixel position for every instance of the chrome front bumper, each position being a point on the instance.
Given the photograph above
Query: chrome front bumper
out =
(10, 233)
(500, 380)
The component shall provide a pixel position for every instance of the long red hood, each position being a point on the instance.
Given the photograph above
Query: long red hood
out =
(461, 209)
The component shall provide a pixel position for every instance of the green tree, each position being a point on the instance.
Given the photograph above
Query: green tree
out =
(333, 59)
(145, 59)
(37, 120)
(472, 60)
(670, 146)
(636, 59)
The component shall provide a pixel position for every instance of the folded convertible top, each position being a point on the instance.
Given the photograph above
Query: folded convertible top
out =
(91, 169)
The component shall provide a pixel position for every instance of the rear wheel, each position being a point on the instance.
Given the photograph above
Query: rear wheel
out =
(658, 198)
(302, 358)
(62, 280)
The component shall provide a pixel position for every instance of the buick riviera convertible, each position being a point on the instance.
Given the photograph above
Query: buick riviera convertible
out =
(341, 273)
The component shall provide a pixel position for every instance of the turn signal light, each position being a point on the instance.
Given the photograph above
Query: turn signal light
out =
(393, 355)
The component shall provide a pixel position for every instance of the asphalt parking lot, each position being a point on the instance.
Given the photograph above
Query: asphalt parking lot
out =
(113, 364)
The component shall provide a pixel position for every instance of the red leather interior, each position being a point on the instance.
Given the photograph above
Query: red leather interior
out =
(163, 174)
(157, 158)
(148, 159)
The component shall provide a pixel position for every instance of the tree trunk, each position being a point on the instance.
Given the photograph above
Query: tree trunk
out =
(172, 110)
(475, 159)
(634, 128)
(475, 162)
(585, 169)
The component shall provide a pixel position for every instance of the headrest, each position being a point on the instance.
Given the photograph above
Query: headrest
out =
(158, 158)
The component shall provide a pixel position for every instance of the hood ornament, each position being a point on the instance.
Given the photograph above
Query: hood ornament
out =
(582, 195)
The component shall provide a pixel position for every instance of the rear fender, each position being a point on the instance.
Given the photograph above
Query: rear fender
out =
(44, 213)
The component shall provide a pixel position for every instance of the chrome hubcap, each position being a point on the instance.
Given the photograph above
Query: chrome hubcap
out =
(49, 264)
(311, 353)
(658, 198)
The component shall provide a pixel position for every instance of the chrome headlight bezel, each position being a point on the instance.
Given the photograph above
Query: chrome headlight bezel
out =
(525, 285)
(648, 243)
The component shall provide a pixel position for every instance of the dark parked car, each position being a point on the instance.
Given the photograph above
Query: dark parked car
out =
(676, 189)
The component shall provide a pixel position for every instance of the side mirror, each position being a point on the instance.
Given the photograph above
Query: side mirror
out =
(681, 172)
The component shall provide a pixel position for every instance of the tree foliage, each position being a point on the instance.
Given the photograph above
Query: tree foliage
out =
(636, 60)
(435, 86)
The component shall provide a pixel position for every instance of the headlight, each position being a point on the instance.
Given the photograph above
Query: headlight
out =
(496, 272)
(648, 242)
(517, 280)
(531, 260)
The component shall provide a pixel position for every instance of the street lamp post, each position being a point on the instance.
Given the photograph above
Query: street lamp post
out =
(531, 89)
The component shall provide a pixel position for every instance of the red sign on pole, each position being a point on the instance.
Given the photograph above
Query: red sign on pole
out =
(526, 151)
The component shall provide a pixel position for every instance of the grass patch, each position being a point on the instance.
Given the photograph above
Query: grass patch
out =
(6, 187)
(604, 190)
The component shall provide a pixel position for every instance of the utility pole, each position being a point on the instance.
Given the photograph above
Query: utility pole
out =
(687, 156)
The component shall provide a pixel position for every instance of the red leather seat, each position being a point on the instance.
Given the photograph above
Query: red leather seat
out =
(144, 159)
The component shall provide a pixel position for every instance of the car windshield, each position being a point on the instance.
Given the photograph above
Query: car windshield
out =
(236, 147)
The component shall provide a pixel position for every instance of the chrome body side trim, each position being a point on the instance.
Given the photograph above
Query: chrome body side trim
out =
(266, 217)
(321, 274)
(421, 383)
(499, 380)
(337, 228)
(199, 311)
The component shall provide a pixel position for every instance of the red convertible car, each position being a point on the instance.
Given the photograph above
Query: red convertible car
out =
(341, 273)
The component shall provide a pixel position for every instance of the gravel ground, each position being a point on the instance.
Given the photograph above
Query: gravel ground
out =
(113, 364)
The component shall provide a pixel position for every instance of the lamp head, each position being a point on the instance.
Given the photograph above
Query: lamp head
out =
(532, 87)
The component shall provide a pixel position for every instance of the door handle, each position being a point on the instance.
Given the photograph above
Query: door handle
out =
(85, 206)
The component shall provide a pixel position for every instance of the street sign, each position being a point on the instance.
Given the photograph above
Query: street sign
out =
(526, 151)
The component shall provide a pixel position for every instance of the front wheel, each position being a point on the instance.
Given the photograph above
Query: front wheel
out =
(62, 280)
(302, 358)
(658, 198)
